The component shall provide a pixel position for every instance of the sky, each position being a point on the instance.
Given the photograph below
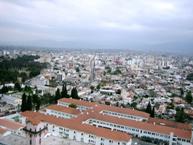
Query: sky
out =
(127, 24)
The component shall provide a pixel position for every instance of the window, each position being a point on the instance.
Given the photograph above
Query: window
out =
(82, 139)
(91, 136)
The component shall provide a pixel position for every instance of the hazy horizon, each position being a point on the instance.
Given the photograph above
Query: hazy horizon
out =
(158, 25)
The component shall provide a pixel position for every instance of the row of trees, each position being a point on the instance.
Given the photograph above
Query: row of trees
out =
(64, 93)
(30, 102)
(33, 102)
(17, 87)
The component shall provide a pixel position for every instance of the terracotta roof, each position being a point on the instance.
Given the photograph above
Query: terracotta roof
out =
(2, 130)
(143, 125)
(105, 107)
(76, 123)
(64, 109)
(11, 125)
(123, 110)
(77, 102)
(168, 123)
(69, 123)
(94, 113)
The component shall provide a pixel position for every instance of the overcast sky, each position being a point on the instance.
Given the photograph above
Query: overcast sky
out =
(133, 24)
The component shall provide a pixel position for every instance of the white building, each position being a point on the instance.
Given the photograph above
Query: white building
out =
(101, 124)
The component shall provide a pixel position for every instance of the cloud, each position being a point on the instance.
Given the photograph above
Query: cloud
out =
(124, 23)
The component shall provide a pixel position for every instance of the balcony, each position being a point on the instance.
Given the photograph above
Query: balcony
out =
(34, 132)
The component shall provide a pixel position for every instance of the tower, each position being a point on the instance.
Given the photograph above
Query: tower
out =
(35, 130)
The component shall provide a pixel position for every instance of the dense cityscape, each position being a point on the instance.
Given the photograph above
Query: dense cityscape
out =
(96, 72)
(137, 87)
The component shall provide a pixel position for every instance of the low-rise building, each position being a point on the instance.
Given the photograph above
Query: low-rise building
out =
(101, 124)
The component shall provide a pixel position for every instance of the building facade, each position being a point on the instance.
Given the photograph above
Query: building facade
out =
(101, 124)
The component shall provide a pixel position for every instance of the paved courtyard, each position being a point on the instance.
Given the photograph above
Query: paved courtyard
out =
(13, 139)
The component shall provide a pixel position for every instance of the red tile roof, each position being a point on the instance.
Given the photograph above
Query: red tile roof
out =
(11, 125)
(105, 107)
(143, 125)
(77, 123)
(94, 113)
(68, 123)
(77, 102)
(123, 110)
(64, 109)
(164, 122)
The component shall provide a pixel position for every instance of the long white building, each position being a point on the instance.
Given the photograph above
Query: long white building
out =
(102, 125)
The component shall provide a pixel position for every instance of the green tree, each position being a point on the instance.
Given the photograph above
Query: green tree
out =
(72, 105)
(74, 93)
(98, 87)
(118, 91)
(4, 89)
(190, 77)
(24, 103)
(9, 68)
(29, 103)
(28, 89)
(152, 114)
(133, 105)
(189, 97)
(47, 99)
(180, 115)
(36, 102)
(148, 109)
(17, 86)
(92, 89)
(117, 71)
(57, 95)
(64, 92)
(77, 69)
(24, 76)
